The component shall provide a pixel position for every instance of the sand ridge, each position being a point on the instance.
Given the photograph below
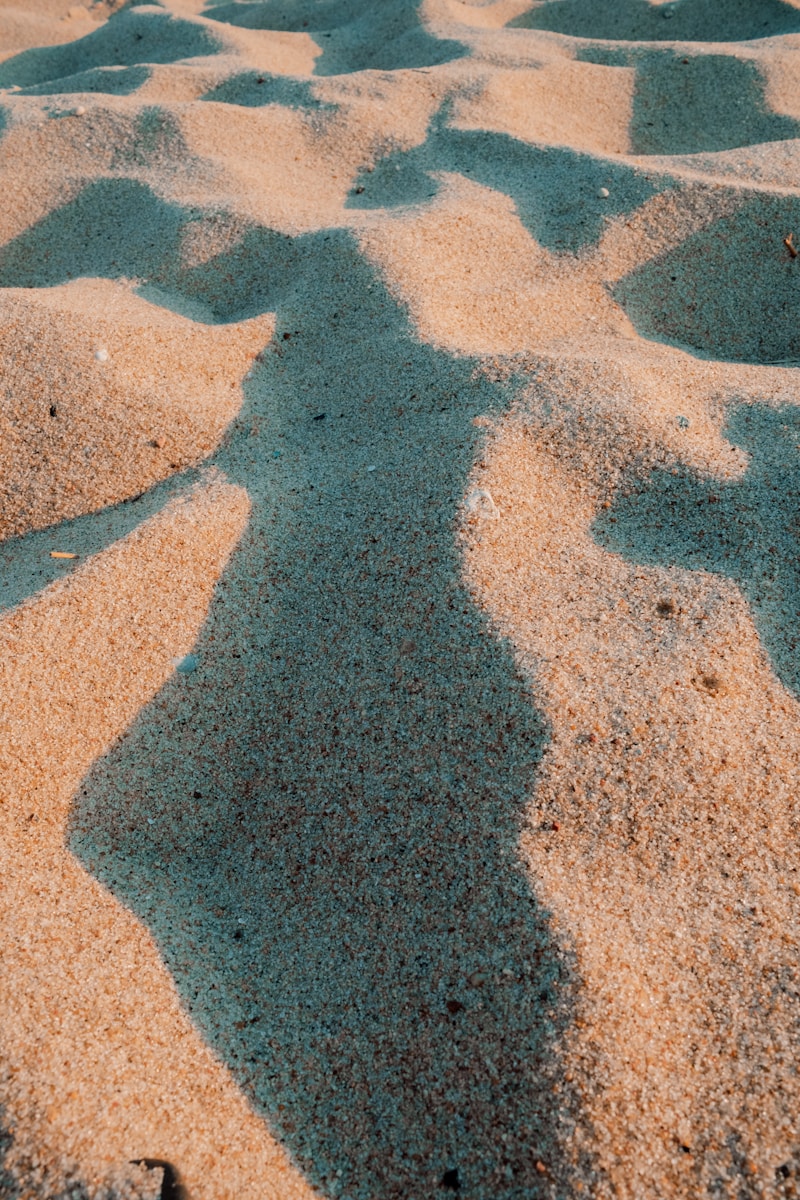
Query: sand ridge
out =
(399, 782)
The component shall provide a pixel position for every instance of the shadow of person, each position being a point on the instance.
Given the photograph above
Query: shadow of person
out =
(748, 530)
(319, 823)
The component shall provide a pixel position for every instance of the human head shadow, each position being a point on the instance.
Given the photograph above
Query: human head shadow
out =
(353, 35)
(320, 824)
(639, 20)
(681, 104)
(555, 189)
(748, 530)
(130, 37)
(729, 291)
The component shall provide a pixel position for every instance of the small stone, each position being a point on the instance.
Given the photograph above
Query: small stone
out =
(451, 1180)
(454, 1006)
(710, 682)
(187, 664)
(80, 111)
(477, 978)
(603, 193)
(683, 422)
(372, 468)
(101, 354)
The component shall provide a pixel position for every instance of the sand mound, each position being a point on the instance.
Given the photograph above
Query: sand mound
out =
(106, 396)
(398, 515)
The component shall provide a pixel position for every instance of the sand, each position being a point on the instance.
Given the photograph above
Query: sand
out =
(399, 491)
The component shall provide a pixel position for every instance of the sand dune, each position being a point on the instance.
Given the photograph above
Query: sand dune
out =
(400, 752)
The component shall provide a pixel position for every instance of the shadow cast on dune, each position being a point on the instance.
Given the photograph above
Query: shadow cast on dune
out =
(682, 105)
(555, 190)
(82, 237)
(320, 823)
(25, 563)
(130, 37)
(109, 81)
(254, 89)
(687, 20)
(353, 35)
(734, 529)
(729, 291)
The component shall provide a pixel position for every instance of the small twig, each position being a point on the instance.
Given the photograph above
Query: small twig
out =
(790, 246)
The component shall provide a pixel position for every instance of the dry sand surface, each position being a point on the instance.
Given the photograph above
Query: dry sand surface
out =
(399, 599)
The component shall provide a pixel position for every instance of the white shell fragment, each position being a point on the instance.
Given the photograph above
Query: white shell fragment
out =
(101, 354)
(187, 664)
(603, 193)
(481, 504)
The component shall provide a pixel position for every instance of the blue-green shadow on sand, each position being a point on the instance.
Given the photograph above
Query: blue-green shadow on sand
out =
(109, 81)
(748, 531)
(352, 35)
(255, 89)
(682, 103)
(556, 190)
(639, 20)
(127, 39)
(730, 291)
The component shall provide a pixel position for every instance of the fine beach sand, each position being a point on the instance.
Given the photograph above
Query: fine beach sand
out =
(399, 774)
